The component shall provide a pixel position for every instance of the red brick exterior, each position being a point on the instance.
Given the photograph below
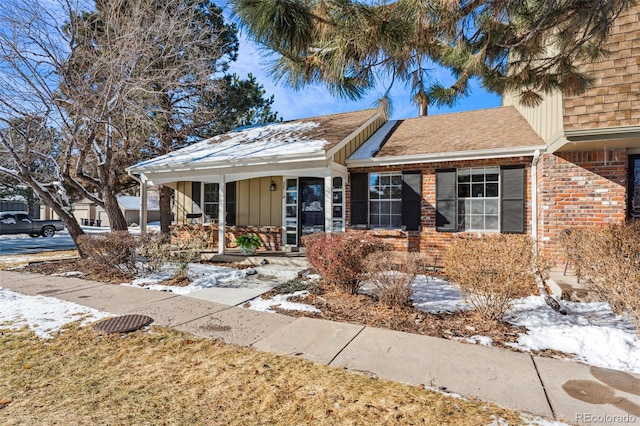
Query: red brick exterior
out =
(271, 236)
(578, 189)
(428, 240)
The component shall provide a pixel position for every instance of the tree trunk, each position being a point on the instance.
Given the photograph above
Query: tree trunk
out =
(116, 217)
(165, 208)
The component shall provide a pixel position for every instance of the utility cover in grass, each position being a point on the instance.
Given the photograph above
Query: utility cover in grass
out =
(122, 324)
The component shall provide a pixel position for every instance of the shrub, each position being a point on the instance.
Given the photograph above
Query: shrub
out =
(155, 248)
(339, 257)
(115, 251)
(609, 259)
(392, 275)
(492, 271)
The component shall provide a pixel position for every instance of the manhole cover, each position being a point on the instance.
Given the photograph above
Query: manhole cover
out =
(123, 324)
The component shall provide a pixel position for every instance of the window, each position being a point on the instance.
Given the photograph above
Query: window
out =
(478, 199)
(385, 200)
(210, 204)
(481, 199)
(390, 200)
(205, 198)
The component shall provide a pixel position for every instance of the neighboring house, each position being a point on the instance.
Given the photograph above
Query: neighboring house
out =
(570, 162)
(89, 213)
(590, 173)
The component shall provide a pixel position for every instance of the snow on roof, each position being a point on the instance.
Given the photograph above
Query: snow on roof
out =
(129, 202)
(372, 145)
(249, 143)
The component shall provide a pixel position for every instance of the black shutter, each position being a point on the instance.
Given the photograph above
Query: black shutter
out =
(195, 192)
(446, 200)
(230, 203)
(512, 199)
(411, 199)
(359, 199)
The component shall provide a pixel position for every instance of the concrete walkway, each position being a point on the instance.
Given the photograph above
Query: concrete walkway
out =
(564, 390)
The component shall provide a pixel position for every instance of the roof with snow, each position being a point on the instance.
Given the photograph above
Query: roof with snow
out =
(298, 138)
(129, 202)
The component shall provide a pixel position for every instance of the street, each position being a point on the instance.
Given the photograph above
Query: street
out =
(23, 244)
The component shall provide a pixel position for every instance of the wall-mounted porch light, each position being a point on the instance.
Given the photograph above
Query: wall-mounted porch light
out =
(272, 187)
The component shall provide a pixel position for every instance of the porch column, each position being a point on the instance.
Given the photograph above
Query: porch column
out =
(143, 205)
(328, 204)
(222, 213)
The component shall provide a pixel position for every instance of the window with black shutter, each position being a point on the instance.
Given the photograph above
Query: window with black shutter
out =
(467, 199)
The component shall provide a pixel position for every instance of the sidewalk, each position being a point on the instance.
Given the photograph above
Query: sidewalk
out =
(519, 381)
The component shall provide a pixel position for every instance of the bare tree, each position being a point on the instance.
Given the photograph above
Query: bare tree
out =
(97, 75)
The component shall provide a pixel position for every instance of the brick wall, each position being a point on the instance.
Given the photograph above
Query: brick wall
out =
(270, 236)
(578, 189)
(614, 99)
(428, 240)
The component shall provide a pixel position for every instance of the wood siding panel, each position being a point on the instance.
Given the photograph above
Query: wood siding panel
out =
(350, 147)
(242, 206)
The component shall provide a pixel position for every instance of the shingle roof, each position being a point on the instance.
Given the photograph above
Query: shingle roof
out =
(484, 129)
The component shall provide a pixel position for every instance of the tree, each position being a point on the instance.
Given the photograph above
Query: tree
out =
(119, 81)
(527, 47)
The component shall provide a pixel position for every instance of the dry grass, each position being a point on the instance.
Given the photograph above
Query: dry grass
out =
(13, 261)
(166, 377)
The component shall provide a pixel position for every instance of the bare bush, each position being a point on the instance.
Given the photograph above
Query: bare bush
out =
(339, 257)
(392, 275)
(492, 271)
(155, 248)
(609, 260)
(115, 251)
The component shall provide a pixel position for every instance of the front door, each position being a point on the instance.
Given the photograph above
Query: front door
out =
(634, 187)
(311, 205)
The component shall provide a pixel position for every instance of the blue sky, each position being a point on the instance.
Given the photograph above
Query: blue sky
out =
(316, 100)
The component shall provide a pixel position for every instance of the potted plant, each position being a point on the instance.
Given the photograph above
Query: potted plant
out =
(248, 243)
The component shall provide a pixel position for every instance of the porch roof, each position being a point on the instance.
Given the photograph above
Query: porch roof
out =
(486, 133)
(295, 143)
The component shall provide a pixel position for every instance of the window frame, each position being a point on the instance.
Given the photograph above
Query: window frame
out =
(464, 217)
(395, 204)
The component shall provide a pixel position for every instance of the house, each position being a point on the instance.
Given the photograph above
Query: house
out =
(571, 161)
(89, 213)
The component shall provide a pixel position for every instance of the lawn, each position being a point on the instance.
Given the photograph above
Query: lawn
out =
(160, 376)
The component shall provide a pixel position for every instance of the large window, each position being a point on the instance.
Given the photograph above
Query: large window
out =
(481, 199)
(385, 200)
(478, 199)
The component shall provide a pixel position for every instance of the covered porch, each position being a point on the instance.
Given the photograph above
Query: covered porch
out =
(280, 181)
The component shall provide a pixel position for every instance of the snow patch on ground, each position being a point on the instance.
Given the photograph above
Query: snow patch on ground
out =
(43, 315)
(282, 302)
(435, 295)
(590, 330)
(202, 276)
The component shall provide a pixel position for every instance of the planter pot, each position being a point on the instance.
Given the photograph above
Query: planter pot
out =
(248, 250)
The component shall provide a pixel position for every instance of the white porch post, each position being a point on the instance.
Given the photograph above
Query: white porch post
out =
(222, 213)
(328, 204)
(143, 205)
